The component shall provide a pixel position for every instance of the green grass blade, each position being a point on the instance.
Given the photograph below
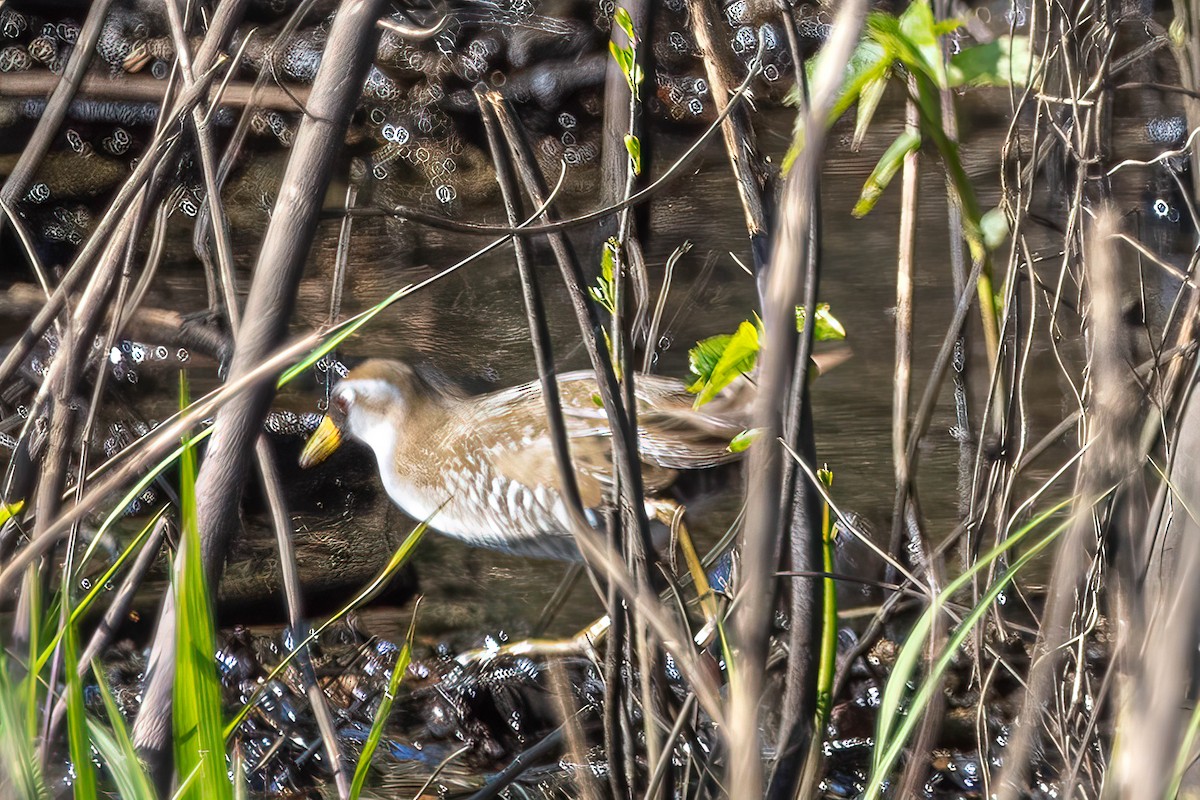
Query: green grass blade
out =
(199, 743)
(32, 683)
(81, 609)
(118, 510)
(187, 784)
(117, 748)
(398, 559)
(20, 770)
(1184, 757)
(120, 767)
(888, 750)
(908, 660)
(78, 740)
(385, 708)
(827, 663)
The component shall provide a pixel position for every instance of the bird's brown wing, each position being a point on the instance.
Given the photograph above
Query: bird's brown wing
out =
(685, 439)
(672, 435)
(591, 456)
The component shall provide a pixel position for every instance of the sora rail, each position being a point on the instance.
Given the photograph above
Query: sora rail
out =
(481, 468)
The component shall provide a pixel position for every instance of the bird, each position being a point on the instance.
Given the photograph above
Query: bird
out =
(481, 469)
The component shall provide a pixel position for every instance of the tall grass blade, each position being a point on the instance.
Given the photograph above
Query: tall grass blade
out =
(187, 784)
(1184, 757)
(905, 668)
(116, 747)
(199, 743)
(398, 560)
(78, 739)
(385, 708)
(118, 510)
(32, 684)
(79, 610)
(120, 767)
(885, 169)
(20, 770)
(896, 725)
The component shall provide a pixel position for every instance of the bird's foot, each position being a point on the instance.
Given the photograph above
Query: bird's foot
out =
(581, 644)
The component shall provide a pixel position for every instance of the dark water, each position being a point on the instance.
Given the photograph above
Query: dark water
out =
(471, 326)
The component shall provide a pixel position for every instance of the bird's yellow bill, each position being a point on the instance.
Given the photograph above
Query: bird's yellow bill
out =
(325, 439)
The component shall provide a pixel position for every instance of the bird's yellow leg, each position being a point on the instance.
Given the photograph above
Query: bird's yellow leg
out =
(584, 643)
(670, 513)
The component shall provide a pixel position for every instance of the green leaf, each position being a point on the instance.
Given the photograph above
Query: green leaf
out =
(608, 259)
(623, 21)
(385, 708)
(605, 290)
(636, 77)
(634, 145)
(719, 360)
(627, 56)
(623, 56)
(626, 59)
(738, 357)
(829, 328)
(743, 440)
(921, 34)
(868, 101)
(1007, 61)
(885, 169)
(869, 63)
(10, 510)
(884, 31)
(929, 102)
(199, 740)
(944, 26)
(703, 358)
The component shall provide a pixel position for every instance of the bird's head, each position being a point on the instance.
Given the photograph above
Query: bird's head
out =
(366, 405)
